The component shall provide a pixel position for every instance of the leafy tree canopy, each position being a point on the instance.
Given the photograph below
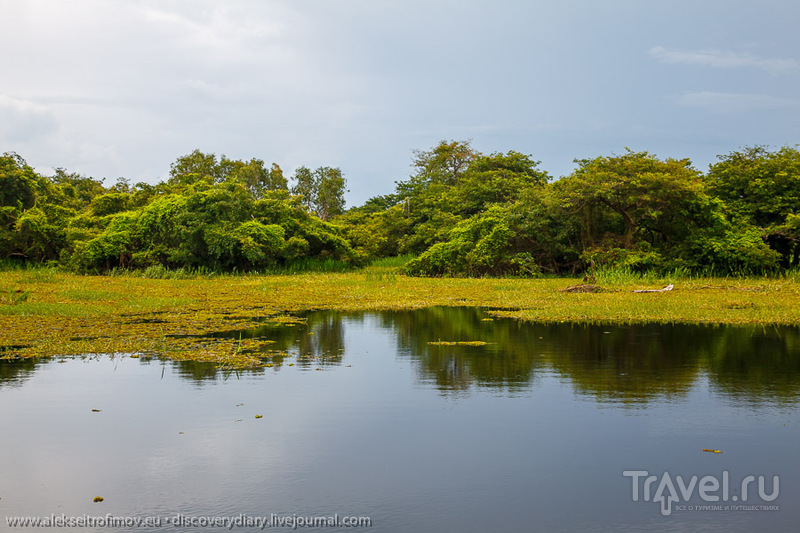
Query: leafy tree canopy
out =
(461, 212)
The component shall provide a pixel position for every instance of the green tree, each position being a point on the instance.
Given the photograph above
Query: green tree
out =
(478, 246)
(322, 190)
(18, 182)
(646, 193)
(252, 174)
(330, 192)
(763, 188)
(306, 186)
(255, 176)
(445, 163)
(495, 179)
(195, 166)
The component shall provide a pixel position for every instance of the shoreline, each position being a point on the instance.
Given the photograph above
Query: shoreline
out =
(51, 313)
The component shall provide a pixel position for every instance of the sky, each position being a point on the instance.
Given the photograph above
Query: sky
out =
(122, 88)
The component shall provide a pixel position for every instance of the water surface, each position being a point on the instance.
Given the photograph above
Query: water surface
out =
(529, 432)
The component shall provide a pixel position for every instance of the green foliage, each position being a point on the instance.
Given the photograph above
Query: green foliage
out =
(740, 251)
(632, 212)
(75, 189)
(444, 164)
(255, 245)
(109, 204)
(198, 166)
(195, 166)
(39, 232)
(452, 182)
(763, 188)
(330, 192)
(624, 259)
(306, 186)
(762, 185)
(322, 190)
(495, 179)
(478, 246)
(18, 182)
(221, 226)
(461, 213)
(633, 197)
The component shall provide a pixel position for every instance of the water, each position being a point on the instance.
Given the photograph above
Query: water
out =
(531, 432)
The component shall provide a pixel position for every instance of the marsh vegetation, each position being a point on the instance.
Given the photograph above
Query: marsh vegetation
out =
(51, 312)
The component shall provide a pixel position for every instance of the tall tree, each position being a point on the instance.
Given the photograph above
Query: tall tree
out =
(255, 176)
(445, 163)
(306, 186)
(194, 166)
(330, 192)
(18, 182)
(646, 193)
(763, 188)
(322, 190)
(761, 185)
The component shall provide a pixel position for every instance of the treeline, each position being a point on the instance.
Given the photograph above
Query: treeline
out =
(466, 213)
(218, 214)
(460, 213)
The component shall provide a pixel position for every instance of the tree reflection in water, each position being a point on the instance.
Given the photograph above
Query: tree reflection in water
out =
(628, 364)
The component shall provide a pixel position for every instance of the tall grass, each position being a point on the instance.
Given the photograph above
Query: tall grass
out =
(793, 274)
(16, 265)
(623, 276)
(161, 272)
(309, 265)
(627, 276)
(392, 262)
(13, 297)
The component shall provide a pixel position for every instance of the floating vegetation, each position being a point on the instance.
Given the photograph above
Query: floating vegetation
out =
(6, 352)
(230, 320)
(458, 343)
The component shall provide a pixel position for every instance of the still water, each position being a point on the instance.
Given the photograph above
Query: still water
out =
(366, 418)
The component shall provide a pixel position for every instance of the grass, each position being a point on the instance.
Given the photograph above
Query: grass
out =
(13, 296)
(57, 313)
(392, 262)
(310, 264)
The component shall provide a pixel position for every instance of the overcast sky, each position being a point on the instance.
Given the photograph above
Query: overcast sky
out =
(122, 88)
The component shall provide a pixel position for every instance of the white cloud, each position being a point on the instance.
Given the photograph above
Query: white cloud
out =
(123, 87)
(736, 102)
(23, 120)
(722, 59)
(224, 33)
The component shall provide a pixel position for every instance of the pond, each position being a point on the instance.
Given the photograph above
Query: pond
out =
(380, 416)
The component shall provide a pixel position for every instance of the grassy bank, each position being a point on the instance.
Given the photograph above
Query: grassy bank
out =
(49, 312)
